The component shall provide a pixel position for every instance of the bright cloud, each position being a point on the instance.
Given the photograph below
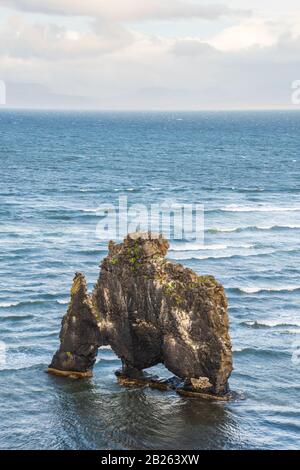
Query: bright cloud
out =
(249, 33)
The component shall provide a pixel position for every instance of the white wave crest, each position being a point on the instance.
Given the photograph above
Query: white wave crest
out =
(259, 208)
(255, 290)
(253, 227)
(200, 246)
(192, 255)
(8, 304)
(273, 323)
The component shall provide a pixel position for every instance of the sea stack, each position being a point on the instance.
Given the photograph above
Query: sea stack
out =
(80, 335)
(150, 311)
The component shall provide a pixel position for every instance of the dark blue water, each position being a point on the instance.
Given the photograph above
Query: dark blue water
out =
(56, 168)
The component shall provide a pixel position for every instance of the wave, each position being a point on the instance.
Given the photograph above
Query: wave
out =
(24, 303)
(81, 190)
(110, 191)
(97, 251)
(90, 211)
(200, 246)
(292, 331)
(252, 228)
(221, 256)
(63, 302)
(18, 251)
(185, 256)
(22, 365)
(260, 352)
(16, 317)
(266, 190)
(253, 189)
(92, 251)
(256, 290)
(8, 304)
(259, 208)
(69, 213)
(129, 190)
(102, 359)
(20, 304)
(269, 324)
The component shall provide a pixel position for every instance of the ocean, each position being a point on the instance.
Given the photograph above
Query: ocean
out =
(56, 169)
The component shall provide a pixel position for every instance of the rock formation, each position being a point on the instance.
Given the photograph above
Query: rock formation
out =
(150, 311)
(80, 336)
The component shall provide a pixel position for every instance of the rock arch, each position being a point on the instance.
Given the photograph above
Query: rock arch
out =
(150, 311)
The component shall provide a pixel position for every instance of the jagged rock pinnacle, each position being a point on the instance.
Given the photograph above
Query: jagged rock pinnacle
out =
(80, 336)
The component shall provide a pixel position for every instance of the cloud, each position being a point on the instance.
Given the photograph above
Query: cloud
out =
(148, 75)
(22, 39)
(111, 66)
(192, 47)
(248, 33)
(128, 10)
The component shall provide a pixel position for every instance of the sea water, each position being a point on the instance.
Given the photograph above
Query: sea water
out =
(56, 169)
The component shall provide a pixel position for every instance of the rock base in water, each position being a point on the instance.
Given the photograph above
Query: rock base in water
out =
(148, 380)
(173, 383)
(192, 393)
(69, 373)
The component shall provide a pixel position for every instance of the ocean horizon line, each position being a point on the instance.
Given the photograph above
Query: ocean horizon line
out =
(148, 110)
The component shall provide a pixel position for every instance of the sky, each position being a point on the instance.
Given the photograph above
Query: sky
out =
(149, 54)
